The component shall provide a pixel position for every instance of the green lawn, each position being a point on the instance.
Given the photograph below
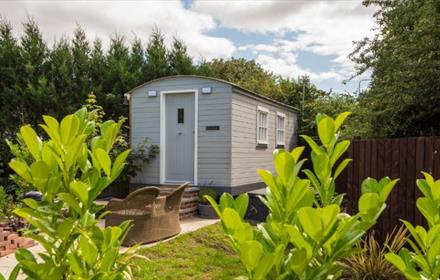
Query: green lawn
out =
(202, 254)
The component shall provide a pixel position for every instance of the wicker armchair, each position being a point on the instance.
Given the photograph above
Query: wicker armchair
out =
(154, 217)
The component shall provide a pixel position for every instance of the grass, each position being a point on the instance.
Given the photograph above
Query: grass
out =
(202, 254)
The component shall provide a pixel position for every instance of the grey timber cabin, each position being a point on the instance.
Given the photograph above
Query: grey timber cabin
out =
(211, 132)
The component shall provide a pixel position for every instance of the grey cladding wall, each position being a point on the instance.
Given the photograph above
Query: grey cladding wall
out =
(214, 109)
(246, 157)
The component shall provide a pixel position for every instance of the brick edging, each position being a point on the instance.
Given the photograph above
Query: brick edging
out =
(11, 241)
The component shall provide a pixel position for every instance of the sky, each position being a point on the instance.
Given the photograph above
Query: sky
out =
(287, 37)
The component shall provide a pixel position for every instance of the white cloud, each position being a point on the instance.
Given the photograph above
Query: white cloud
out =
(287, 66)
(103, 18)
(319, 27)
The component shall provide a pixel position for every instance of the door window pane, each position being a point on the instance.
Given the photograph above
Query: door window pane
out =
(180, 115)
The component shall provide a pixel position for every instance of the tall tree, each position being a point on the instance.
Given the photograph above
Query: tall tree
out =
(156, 65)
(81, 66)
(97, 69)
(60, 73)
(35, 54)
(11, 69)
(137, 62)
(179, 61)
(117, 77)
(404, 57)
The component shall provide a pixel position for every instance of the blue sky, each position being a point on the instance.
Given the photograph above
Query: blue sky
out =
(289, 38)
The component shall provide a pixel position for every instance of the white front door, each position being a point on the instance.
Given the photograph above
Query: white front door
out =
(179, 137)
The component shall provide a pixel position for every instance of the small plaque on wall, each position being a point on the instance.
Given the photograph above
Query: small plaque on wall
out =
(206, 90)
(212, 127)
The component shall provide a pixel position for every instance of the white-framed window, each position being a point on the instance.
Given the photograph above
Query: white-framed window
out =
(281, 129)
(262, 125)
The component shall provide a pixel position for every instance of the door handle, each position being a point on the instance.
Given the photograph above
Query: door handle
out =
(179, 133)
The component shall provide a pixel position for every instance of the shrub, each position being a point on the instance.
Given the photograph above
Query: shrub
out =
(140, 155)
(70, 174)
(423, 261)
(304, 236)
(4, 203)
(370, 262)
(207, 192)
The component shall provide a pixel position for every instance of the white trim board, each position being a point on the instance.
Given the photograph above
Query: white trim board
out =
(163, 131)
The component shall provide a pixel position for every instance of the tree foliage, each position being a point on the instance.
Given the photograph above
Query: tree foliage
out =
(404, 57)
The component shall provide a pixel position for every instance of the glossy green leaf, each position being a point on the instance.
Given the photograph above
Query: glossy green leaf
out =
(424, 188)
(326, 130)
(328, 215)
(33, 142)
(52, 127)
(241, 204)
(299, 260)
(104, 161)
(40, 174)
(284, 165)
(23, 255)
(109, 259)
(297, 152)
(428, 209)
(311, 222)
(73, 152)
(386, 190)
(368, 202)
(340, 119)
(341, 167)
(396, 261)
(69, 129)
(315, 147)
(76, 264)
(339, 150)
(226, 201)
(80, 190)
(31, 203)
(119, 164)
(88, 250)
(370, 185)
(65, 228)
(231, 219)
(213, 204)
(245, 233)
(22, 169)
(250, 253)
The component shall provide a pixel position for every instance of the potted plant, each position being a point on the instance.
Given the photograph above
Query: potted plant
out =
(206, 211)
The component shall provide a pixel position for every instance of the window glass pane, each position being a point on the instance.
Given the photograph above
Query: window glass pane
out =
(180, 115)
(262, 126)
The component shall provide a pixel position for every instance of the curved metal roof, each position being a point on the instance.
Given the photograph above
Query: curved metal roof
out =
(212, 79)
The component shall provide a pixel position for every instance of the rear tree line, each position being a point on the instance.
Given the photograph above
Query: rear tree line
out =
(39, 79)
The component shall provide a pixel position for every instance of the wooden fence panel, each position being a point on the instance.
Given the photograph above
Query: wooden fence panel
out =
(402, 158)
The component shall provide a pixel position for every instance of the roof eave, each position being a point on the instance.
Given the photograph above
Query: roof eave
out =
(128, 93)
